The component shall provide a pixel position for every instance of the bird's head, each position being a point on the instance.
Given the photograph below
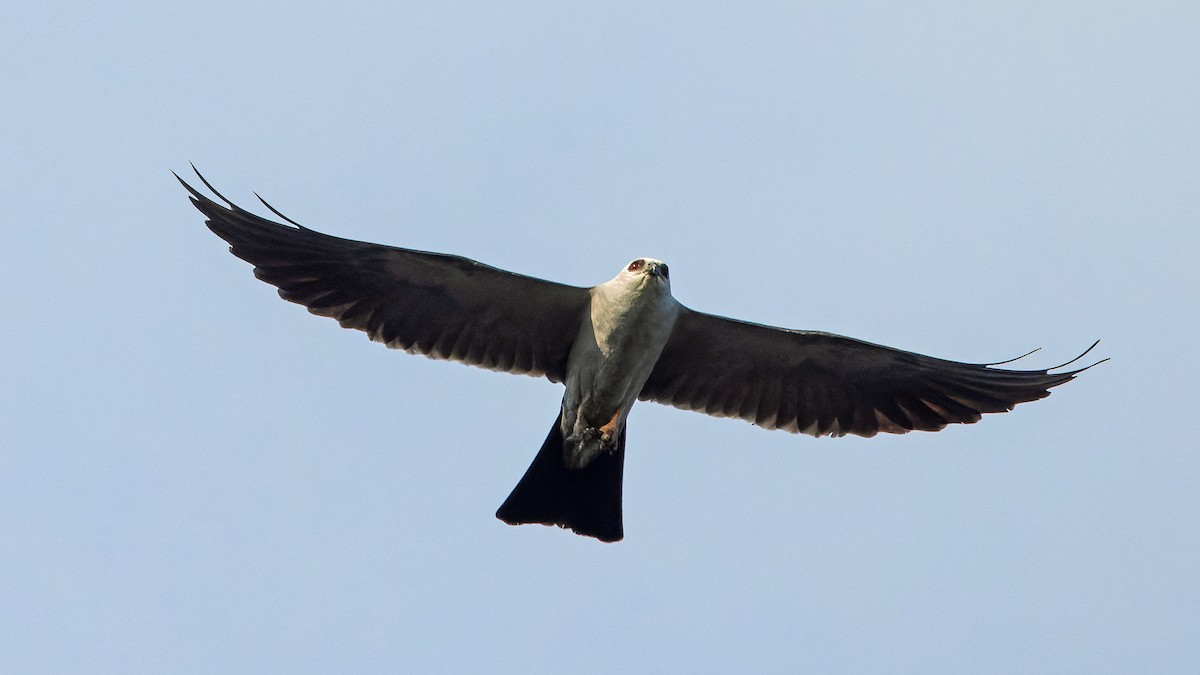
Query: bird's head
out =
(643, 274)
(646, 270)
(643, 280)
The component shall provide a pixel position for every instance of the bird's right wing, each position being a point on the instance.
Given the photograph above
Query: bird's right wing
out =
(442, 306)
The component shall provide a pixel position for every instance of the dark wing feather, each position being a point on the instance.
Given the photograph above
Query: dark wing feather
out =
(442, 306)
(827, 385)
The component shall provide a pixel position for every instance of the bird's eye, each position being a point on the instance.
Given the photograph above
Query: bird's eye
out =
(636, 265)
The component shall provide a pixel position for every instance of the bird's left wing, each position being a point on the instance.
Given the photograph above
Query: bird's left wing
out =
(827, 385)
(439, 305)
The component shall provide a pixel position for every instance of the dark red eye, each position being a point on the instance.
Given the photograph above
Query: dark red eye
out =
(636, 265)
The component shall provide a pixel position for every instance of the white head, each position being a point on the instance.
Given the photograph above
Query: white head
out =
(646, 270)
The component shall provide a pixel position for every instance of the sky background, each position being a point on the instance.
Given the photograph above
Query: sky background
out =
(198, 477)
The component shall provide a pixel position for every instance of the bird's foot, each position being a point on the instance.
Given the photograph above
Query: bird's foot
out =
(600, 436)
(581, 448)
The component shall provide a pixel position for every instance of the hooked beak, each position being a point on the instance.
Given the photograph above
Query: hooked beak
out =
(656, 270)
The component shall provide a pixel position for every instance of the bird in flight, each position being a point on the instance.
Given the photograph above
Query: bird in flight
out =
(611, 345)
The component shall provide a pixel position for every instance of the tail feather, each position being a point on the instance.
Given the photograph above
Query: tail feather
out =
(586, 500)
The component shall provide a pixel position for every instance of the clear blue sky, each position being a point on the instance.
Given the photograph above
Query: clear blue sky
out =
(196, 476)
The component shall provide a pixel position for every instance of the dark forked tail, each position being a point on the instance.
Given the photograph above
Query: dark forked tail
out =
(586, 500)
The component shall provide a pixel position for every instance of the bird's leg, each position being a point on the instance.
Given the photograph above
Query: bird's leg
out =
(608, 431)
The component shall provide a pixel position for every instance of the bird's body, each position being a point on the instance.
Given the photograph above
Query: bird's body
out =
(611, 345)
(620, 338)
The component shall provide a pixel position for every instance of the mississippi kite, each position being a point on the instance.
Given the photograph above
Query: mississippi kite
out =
(611, 345)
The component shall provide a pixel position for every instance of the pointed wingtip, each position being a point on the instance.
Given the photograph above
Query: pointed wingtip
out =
(276, 212)
(207, 185)
(1018, 358)
(1080, 370)
(187, 186)
(1085, 353)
